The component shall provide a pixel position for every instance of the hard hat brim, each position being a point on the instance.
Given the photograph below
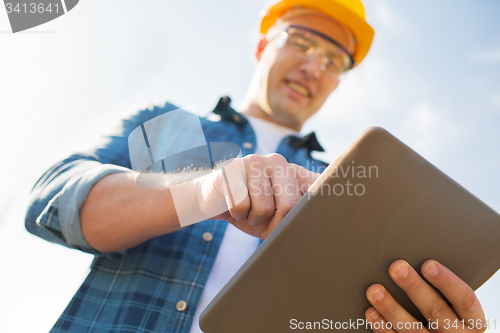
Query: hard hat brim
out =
(362, 31)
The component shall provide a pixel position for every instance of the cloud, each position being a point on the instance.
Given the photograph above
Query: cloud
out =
(490, 56)
(364, 93)
(424, 116)
(389, 18)
(430, 128)
(495, 102)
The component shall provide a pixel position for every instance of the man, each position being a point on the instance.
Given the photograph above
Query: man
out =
(152, 274)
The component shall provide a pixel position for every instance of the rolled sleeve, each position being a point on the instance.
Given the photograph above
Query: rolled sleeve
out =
(61, 216)
(53, 211)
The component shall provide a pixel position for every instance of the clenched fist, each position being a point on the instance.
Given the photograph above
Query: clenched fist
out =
(254, 193)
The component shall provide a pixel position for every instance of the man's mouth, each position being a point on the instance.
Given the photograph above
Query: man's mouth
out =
(298, 88)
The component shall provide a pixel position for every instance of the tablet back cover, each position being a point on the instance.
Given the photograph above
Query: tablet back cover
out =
(319, 261)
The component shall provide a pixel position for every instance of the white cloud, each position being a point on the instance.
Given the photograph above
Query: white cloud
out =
(364, 93)
(495, 102)
(489, 56)
(389, 18)
(423, 116)
(430, 128)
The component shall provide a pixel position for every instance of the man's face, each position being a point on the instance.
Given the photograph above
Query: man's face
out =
(291, 90)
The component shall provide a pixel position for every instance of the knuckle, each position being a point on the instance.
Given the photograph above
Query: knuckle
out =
(417, 329)
(438, 308)
(402, 329)
(277, 159)
(415, 284)
(409, 327)
(448, 280)
(264, 210)
(469, 301)
(240, 210)
(300, 170)
(391, 311)
(383, 330)
(254, 160)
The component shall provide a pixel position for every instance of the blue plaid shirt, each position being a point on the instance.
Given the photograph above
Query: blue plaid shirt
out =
(137, 290)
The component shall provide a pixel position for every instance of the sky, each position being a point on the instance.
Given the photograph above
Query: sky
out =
(431, 79)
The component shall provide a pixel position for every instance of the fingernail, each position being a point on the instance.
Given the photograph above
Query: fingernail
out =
(402, 270)
(374, 315)
(431, 269)
(378, 295)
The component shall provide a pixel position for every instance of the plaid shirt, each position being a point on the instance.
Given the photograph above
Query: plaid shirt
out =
(139, 290)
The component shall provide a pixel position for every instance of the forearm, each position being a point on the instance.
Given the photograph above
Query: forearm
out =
(118, 214)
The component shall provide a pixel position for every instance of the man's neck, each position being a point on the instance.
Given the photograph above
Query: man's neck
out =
(253, 110)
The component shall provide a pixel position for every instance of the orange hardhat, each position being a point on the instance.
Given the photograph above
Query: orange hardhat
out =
(349, 13)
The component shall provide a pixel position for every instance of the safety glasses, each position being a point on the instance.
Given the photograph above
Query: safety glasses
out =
(305, 44)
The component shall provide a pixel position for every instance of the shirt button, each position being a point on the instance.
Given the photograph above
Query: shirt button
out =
(237, 118)
(207, 236)
(247, 145)
(181, 306)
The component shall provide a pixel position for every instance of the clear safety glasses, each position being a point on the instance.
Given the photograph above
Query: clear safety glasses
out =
(305, 44)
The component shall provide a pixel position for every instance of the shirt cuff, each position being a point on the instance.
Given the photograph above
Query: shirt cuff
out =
(61, 216)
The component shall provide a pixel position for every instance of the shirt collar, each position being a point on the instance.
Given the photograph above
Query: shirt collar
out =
(310, 141)
(226, 112)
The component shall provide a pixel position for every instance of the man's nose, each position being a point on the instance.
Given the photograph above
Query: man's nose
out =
(312, 65)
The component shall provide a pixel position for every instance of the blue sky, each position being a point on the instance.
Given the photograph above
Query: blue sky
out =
(431, 79)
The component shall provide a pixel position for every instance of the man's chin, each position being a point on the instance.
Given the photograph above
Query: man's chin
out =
(289, 115)
(295, 108)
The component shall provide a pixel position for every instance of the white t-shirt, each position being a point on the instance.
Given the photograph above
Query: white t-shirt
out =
(237, 246)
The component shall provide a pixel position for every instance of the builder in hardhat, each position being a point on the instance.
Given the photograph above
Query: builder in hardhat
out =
(305, 48)
(151, 275)
(309, 51)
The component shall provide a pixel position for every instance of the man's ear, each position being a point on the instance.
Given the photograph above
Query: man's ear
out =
(260, 48)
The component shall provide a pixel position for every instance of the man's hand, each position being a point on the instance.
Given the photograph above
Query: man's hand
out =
(274, 186)
(465, 305)
(253, 193)
(119, 215)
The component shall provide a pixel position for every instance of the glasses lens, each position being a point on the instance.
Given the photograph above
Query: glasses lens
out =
(303, 44)
(299, 43)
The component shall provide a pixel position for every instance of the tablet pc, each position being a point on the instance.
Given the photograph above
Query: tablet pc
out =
(379, 201)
